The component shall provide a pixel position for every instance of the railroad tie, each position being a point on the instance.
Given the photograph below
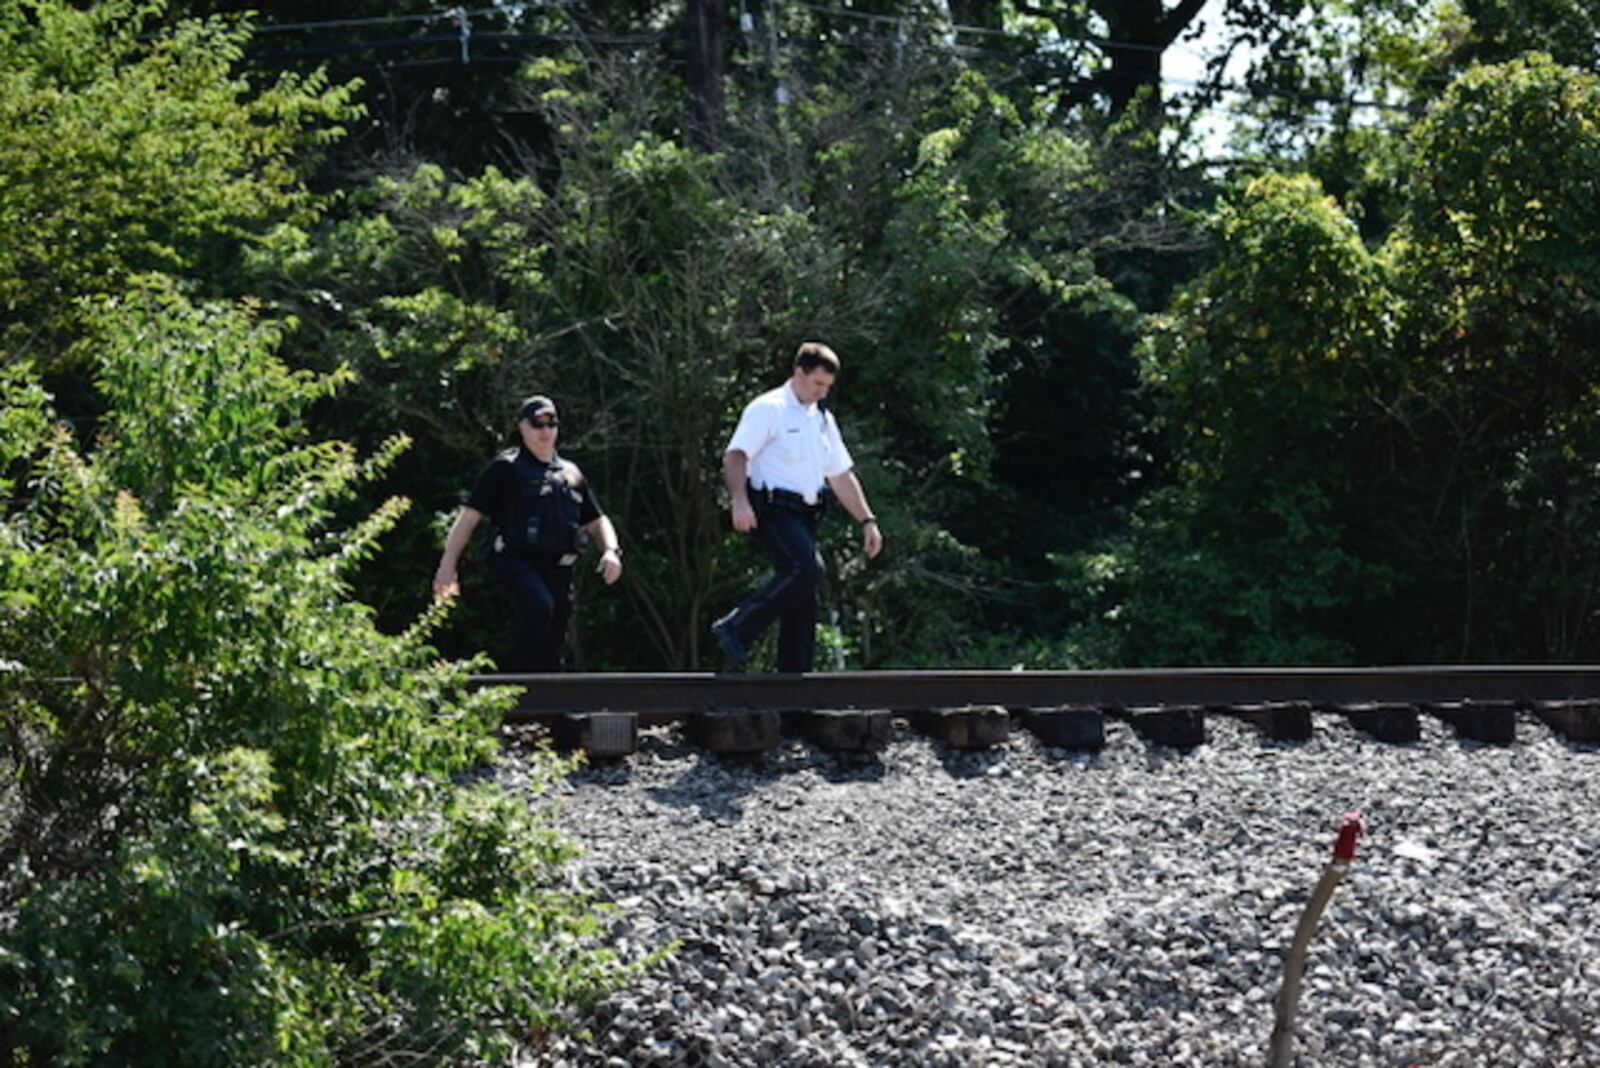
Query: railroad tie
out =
(1491, 722)
(966, 727)
(1387, 721)
(845, 730)
(1065, 726)
(1278, 721)
(736, 731)
(600, 734)
(1178, 726)
(1577, 721)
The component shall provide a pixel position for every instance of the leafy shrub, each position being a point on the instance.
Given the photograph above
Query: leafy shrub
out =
(134, 143)
(240, 823)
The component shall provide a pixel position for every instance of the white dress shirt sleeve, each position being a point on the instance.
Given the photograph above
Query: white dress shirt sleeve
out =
(754, 431)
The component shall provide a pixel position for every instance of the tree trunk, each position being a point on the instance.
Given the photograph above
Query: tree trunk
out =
(1139, 31)
(706, 64)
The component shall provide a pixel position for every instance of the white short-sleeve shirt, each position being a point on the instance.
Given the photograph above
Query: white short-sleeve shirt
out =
(791, 446)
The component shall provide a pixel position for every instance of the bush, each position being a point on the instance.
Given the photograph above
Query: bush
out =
(131, 143)
(240, 823)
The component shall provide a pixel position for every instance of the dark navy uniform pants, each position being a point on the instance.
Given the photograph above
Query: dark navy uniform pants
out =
(789, 538)
(540, 592)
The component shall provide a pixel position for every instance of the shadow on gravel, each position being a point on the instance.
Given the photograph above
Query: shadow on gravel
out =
(797, 755)
(604, 771)
(1083, 758)
(969, 763)
(853, 768)
(1278, 745)
(1160, 756)
(716, 786)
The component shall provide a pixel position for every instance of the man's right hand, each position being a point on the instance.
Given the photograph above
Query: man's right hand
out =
(744, 517)
(445, 583)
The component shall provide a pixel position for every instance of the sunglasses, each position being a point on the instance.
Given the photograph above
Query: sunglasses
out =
(544, 424)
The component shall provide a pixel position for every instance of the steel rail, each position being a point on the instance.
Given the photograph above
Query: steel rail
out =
(676, 694)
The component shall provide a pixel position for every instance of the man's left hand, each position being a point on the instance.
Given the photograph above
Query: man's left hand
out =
(610, 566)
(871, 540)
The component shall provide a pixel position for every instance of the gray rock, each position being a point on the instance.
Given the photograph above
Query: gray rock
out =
(1029, 905)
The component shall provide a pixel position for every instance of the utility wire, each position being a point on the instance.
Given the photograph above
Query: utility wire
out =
(983, 31)
(382, 44)
(447, 15)
(1033, 58)
(451, 15)
(341, 24)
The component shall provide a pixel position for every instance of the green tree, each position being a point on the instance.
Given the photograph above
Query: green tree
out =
(1383, 455)
(240, 821)
(1338, 93)
(1500, 254)
(130, 145)
(1264, 371)
(653, 290)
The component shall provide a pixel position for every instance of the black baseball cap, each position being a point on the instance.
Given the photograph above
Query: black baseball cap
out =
(536, 405)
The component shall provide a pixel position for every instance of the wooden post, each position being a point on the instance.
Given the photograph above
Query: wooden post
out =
(1281, 1050)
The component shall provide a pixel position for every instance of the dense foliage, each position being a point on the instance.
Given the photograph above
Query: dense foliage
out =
(653, 289)
(125, 153)
(1382, 453)
(239, 823)
(1118, 401)
(238, 829)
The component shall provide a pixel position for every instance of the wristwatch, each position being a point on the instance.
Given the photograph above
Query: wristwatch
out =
(870, 520)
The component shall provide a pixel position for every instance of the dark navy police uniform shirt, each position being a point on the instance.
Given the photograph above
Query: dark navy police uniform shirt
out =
(500, 483)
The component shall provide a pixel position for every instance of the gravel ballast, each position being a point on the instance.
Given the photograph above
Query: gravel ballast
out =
(1035, 906)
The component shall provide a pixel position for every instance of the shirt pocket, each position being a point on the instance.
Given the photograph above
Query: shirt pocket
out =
(792, 445)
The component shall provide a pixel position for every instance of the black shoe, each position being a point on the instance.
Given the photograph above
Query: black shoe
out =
(733, 649)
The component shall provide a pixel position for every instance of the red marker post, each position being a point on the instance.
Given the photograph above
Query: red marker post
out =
(1344, 854)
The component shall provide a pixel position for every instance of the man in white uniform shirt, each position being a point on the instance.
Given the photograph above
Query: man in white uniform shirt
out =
(783, 458)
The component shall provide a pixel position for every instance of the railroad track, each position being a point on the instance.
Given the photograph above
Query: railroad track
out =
(973, 709)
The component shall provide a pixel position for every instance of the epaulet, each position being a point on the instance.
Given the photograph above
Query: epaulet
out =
(510, 455)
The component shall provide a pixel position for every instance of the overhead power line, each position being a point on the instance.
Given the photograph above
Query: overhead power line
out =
(384, 44)
(981, 31)
(464, 34)
(454, 15)
(451, 15)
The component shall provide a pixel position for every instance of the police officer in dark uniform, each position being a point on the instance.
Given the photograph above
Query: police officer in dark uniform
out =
(543, 512)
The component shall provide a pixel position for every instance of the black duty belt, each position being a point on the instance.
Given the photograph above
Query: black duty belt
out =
(499, 548)
(785, 500)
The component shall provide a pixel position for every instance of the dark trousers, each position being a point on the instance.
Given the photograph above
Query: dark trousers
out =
(789, 538)
(540, 592)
